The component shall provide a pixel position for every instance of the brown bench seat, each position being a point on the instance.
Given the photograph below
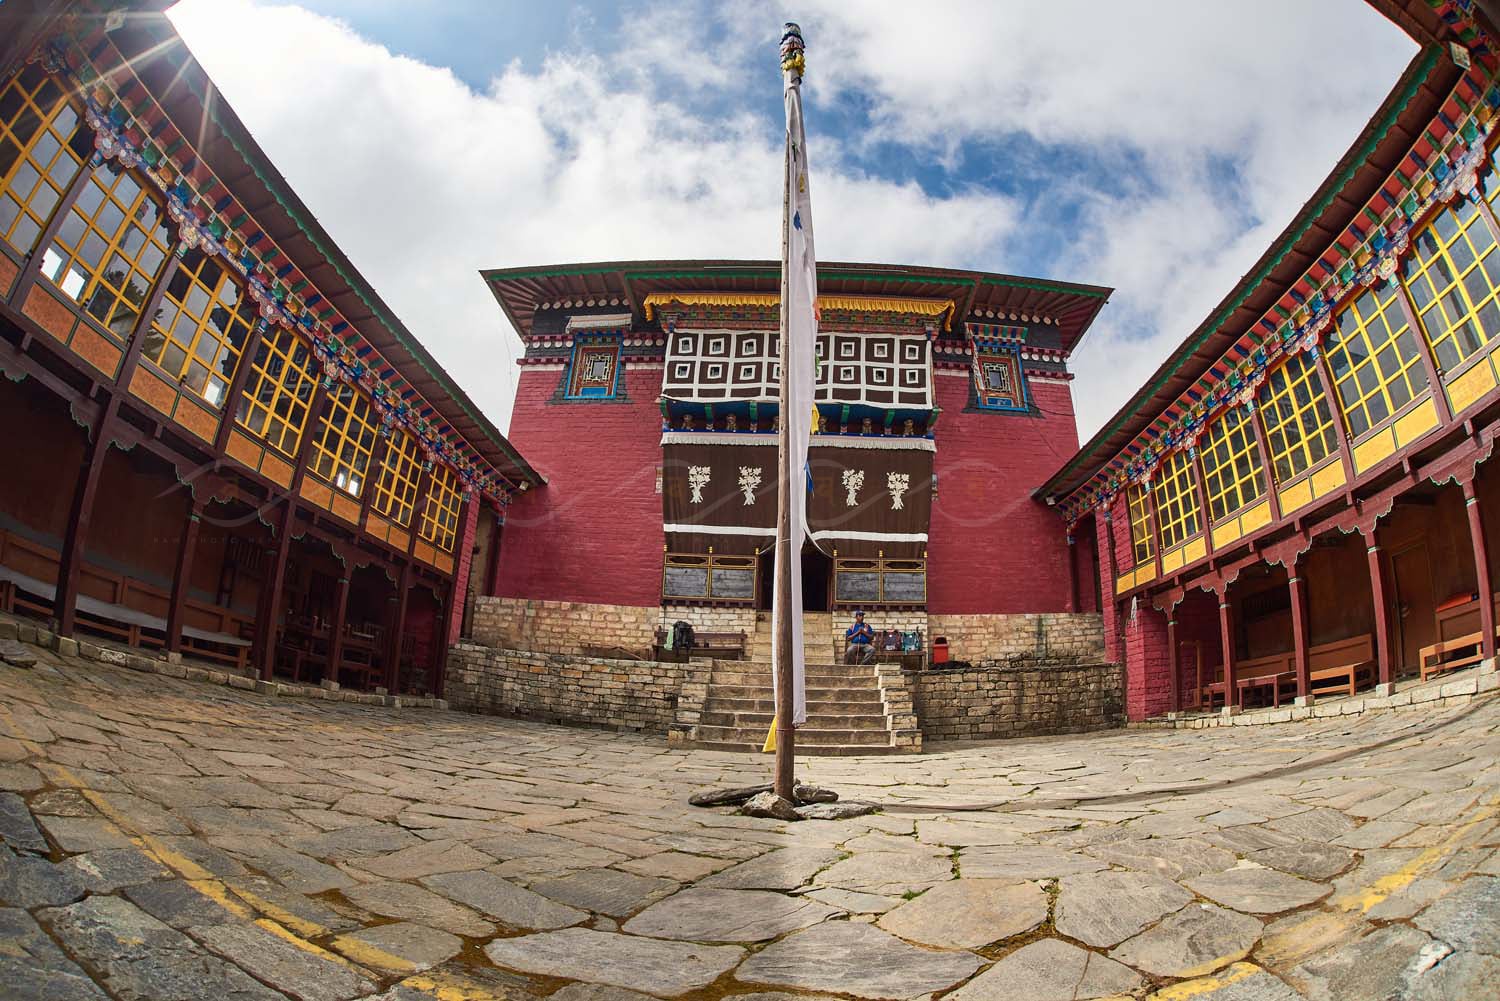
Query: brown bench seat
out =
(1339, 667)
(727, 646)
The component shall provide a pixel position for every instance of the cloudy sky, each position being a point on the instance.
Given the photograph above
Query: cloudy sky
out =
(1155, 146)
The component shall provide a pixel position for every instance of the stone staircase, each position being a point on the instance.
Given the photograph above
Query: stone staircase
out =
(817, 638)
(851, 709)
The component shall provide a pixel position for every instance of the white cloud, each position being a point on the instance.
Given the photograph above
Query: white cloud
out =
(423, 180)
(1205, 126)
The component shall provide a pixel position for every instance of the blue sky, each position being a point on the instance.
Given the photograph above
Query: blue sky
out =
(1154, 147)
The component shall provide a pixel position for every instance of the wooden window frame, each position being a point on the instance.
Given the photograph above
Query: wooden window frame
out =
(1175, 484)
(574, 387)
(1227, 441)
(1312, 420)
(1138, 506)
(167, 323)
(439, 524)
(711, 562)
(1455, 295)
(396, 481)
(47, 175)
(881, 567)
(1336, 345)
(277, 373)
(62, 262)
(344, 444)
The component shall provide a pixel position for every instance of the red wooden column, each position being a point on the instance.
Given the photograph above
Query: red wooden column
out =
(80, 512)
(1300, 646)
(242, 369)
(181, 575)
(1072, 571)
(1172, 664)
(1226, 637)
(1379, 589)
(492, 562)
(394, 634)
(440, 650)
(336, 633)
(1481, 570)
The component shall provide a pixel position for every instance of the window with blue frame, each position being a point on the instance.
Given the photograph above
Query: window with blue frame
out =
(594, 370)
(999, 382)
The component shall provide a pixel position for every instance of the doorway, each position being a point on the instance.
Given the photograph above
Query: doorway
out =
(1416, 615)
(817, 576)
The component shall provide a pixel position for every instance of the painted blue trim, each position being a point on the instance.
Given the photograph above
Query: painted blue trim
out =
(984, 402)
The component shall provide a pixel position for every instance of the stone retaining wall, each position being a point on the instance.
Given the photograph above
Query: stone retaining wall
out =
(618, 694)
(1041, 638)
(988, 702)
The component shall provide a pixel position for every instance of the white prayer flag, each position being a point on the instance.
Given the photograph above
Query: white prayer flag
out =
(800, 307)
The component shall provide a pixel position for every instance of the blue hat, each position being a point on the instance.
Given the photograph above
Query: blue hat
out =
(859, 611)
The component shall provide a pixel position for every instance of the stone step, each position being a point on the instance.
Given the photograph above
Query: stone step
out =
(817, 721)
(807, 736)
(803, 750)
(766, 692)
(862, 703)
(822, 677)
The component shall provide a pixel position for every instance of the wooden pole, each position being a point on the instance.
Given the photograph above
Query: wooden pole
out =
(1481, 571)
(181, 575)
(780, 616)
(1300, 645)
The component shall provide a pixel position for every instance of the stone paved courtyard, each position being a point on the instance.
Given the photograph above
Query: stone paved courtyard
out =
(167, 840)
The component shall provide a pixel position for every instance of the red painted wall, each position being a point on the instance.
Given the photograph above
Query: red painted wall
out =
(462, 569)
(991, 547)
(593, 533)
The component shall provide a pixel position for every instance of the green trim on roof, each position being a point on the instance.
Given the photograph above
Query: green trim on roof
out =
(549, 273)
(1429, 59)
(1045, 286)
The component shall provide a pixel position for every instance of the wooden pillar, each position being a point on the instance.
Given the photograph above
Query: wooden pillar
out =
(418, 506)
(1267, 471)
(1073, 603)
(181, 576)
(1172, 661)
(1429, 361)
(492, 563)
(1300, 646)
(394, 635)
(80, 512)
(1481, 570)
(1379, 589)
(1205, 521)
(372, 474)
(31, 271)
(336, 627)
(1336, 410)
(1109, 554)
(440, 649)
(237, 384)
(1226, 637)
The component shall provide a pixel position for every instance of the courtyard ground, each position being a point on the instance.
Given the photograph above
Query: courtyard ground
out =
(169, 840)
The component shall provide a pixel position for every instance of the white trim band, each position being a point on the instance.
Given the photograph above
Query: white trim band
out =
(768, 439)
(716, 529)
(838, 533)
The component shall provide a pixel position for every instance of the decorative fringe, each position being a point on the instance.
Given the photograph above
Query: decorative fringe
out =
(792, 50)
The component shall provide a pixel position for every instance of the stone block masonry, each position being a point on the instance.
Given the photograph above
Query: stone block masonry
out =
(1041, 638)
(989, 702)
(574, 627)
(555, 688)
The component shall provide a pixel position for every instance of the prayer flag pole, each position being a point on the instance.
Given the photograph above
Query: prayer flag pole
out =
(798, 331)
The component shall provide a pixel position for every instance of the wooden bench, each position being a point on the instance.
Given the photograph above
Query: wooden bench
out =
(1338, 668)
(1450, 655)
(1270, 672)
(726, 646)
(117, 606)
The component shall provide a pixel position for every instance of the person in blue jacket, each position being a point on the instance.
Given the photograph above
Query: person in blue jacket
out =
(861, 641)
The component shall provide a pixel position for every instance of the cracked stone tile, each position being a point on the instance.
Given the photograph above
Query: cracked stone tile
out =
(1050, 970)
(426, 859)
(783, 869)
(666, 969)
(968, 913)
(33, 968)
(606, 891)
(1468, 918)
(1196, 940)
(301, 969)
(109, 869)
(1104, 909)
(1375, 966)
(29, 882)
(857, 959)
(1258, 890)
(413, 903)
(704, 914)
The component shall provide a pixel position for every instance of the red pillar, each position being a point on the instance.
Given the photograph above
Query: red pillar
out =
(492, 562)
(394, 634)
(1226, 637)
(181, 576)
(1379, 587)
(336, 628)
(1481, 570)
(1109, 606)
(1300, 646)
(1073, 603)
(269, 611)
(80, 513)
(1173, 667)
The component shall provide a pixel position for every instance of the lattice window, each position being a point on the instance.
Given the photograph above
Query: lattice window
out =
(1376, 363)
(1140, 524)
(43, 143)
(1294, 410)
(199, 330)
(341, 451)
(279, 390)
(1453, 275)
(1176, 499)
(396, 484)
(593, 373)
(440, 517)
(110, 248)
(999, 383)
(1232, 474)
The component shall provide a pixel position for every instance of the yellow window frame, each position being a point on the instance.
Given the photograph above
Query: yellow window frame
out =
(278, 390)
(1232, 473)
(1177, 508)
(200, 328)
(1295, 415)
(396, 482)
(1374, 359)
(440, 513)
(342, 449)
(1141, 542)
(1453, 276)
(43, 145)
(110, 249)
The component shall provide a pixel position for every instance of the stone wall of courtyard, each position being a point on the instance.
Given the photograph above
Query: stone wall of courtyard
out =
(556, 688)
(578, 628)
(985, 702)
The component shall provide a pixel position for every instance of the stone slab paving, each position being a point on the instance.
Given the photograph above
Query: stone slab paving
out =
(169, 840)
